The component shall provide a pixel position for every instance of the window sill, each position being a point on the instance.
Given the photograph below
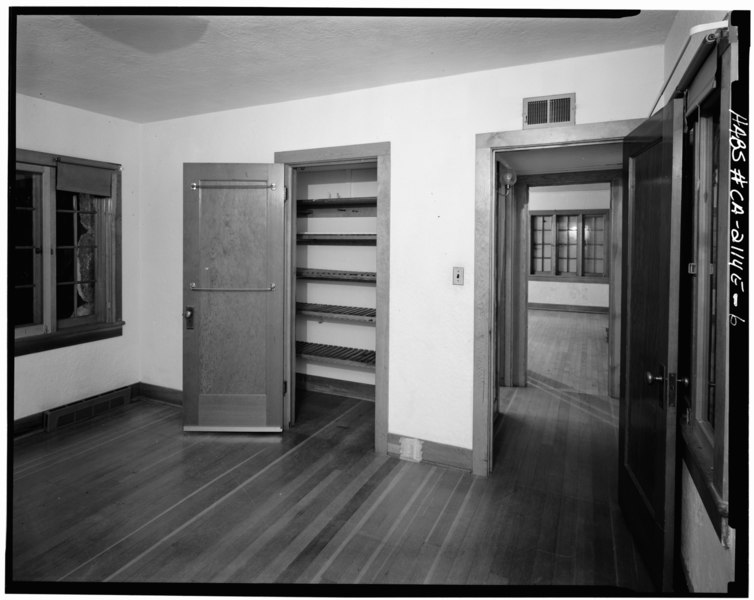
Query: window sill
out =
(569, 279)
(70, 337)
(697, 454)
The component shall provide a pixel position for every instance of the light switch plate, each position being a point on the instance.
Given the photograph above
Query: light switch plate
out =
(457, 275)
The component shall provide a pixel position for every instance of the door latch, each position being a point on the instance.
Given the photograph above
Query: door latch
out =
(188, 314)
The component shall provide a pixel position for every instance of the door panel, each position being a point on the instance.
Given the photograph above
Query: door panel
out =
(652, 160)
(233, 287)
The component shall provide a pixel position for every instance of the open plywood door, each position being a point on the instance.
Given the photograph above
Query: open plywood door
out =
(233, 297)
(648, 423)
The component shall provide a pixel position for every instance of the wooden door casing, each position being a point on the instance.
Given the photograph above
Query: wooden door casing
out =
(648, 418)
(234, 287)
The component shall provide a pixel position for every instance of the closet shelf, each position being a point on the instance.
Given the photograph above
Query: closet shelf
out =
(336, 202)
(354, 239)
(342, 313)
(335, 275)
(339, 355)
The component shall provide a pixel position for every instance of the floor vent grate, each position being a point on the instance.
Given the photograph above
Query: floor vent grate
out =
(85, 409)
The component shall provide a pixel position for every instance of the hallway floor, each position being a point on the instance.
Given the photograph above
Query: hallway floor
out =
(128, 498)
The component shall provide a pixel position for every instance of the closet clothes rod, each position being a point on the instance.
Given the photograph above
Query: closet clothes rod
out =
(250, 186)
(194, 288)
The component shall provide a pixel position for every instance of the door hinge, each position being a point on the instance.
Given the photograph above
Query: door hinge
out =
(285, 193)
(692, 268)
(285, 388)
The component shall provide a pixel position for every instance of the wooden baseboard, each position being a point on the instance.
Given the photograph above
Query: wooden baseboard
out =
(434, 453)
(31, 424)
(336, 387)
(160, 393)
(569, 308)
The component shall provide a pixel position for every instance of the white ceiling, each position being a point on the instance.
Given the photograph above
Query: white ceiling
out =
(149, 67)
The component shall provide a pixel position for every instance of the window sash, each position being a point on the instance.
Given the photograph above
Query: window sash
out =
(575, 252)
(62, 330)
(41, 177)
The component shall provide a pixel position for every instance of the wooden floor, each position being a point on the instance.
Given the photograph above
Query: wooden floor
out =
(128, 497)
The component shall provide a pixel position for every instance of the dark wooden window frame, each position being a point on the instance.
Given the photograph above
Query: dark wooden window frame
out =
(578, 277)
(706, 448)
(108, 322)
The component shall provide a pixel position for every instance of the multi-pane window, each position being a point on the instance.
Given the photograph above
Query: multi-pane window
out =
(27, 247)
(76, 218)
(541, 243)
(65, 269)
(568, 244)
(577, 240)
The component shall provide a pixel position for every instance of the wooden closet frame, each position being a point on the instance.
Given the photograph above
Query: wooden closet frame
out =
(378, 153)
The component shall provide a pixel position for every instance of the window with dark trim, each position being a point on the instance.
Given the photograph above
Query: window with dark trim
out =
(703, 312)
(569, 244)
(65, 270)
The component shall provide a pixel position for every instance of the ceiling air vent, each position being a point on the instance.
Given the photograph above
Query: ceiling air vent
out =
(549, 111)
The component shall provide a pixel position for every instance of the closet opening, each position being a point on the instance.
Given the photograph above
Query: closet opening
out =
(336, 326)
(335, 310)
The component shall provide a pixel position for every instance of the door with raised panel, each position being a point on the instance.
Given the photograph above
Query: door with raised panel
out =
(648, 421)
(233, 297)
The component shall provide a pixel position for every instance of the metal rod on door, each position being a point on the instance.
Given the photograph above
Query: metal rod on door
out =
(193, 287)
(249, 186)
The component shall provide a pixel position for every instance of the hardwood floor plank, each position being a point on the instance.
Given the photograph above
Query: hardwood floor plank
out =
(338, 543)
(413, 558)
(278, 569)
(262, 452)
(312, 556)
(40, 447)
(455, 543)
(375, 570)
(128, 497)
(219, 515)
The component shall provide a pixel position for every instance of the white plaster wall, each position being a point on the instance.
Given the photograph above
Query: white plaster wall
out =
(569, 294)
(578, 196)
(709, 565)
(56, 377)
(431, 126)
(570, 197)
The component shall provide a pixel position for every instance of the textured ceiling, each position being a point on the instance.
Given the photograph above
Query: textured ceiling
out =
(149, 67)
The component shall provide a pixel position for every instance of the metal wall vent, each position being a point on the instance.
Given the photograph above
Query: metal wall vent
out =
(85, 409)
(549, 111)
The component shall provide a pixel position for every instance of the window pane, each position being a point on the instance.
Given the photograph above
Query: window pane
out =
(77, 254)
(713, 251)
(65, 301)
(23, 266)
(23, 190)
(540, 247)
(23, 306)
(65, 200)
(84, 300)
(594, 244)
(65, 265)
(65, 228)
(26, 236)
(23, 227)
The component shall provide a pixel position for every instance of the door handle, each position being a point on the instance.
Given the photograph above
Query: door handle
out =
(188, 314)
(650, 379)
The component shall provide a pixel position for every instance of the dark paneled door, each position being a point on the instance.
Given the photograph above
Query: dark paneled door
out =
(652, 217)
(233, 276)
